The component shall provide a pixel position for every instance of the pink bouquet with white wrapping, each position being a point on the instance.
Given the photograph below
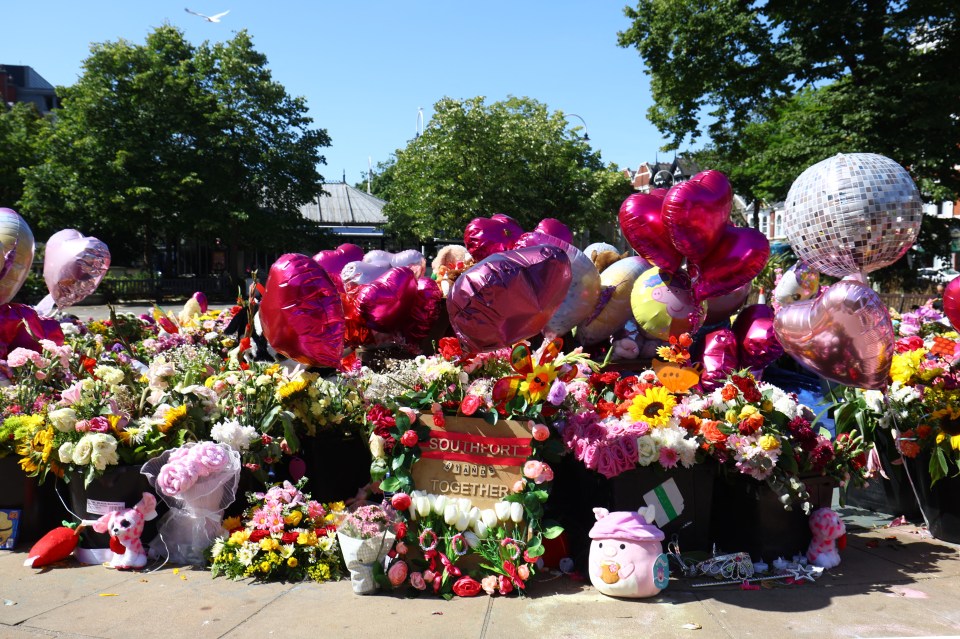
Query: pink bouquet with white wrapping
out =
(198, 481)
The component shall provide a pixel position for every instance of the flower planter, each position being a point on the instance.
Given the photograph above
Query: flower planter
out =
(117, 488)
(940, 503)
(689, 520)
(748, 516)
(40, 510)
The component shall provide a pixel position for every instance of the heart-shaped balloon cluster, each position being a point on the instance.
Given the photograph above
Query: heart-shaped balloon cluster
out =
(686, 230)
(301, 312)
(508, 296)
(397, 304)
(73, 265)
(16, 246)
(485, 236)
(333, 261)
(750, 343)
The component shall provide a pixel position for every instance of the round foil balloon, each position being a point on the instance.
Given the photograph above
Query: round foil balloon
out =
(600, 247)
(951, 302)
(356, 273)
(845, 335)
(799, 283)
(73, 265)
(758, 343)
(201, 299)
(584, 288)
(334, 261)
(301, 312)
(613, 303)
(485, 236)
(852, 213)
(508, 296)
(16, 245)
(662, 307)
(695, 213)
(410, 257)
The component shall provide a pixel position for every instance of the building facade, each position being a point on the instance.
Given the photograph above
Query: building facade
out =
(22, 84)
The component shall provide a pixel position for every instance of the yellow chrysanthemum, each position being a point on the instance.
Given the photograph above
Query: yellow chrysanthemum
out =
(307, 539)
(664, 353)
(229, 523)
(654, 406)
(291, 388)
(239, 537)
(537, 384)
(292, 562)
(174, 417)
(768, 442)
(905, 365)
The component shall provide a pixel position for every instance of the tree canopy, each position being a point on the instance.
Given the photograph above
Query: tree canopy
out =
(166, 140)
(19, 127)
(513, 157)
(796, 83)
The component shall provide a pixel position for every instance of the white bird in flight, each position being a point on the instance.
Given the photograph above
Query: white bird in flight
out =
(213, 18)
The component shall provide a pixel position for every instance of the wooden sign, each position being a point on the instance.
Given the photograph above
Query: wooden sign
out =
(471, 458)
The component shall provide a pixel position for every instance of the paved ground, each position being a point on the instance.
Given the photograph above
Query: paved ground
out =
(893, 582)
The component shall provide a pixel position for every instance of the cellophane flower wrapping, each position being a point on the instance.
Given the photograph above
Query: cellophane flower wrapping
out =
(197, 481)
(365, 538)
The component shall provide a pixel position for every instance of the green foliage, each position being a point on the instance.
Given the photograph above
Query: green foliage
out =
(19, 127)
(783, 85)
(513, 157)
(165, 140)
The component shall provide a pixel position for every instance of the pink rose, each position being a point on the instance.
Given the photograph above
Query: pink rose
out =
(401, 548)
(82, 426)
(397, 573)
(490, 583)
(175, 478)
(519, 486)
(540, 432)
(532, 469)
(524, 571)
(470, 404)
(417, 581)
(99, 424)
(506, 586)
(210, 457)
(409, 438)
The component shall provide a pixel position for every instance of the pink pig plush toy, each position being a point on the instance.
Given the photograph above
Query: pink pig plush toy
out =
(827, 531)
(626, 557)
(125, 528)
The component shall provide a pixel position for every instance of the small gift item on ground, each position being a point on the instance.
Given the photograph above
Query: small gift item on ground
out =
(829, 537)
(125, 528)
(626, 558)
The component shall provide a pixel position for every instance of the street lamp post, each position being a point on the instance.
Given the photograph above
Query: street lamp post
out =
(586, 132)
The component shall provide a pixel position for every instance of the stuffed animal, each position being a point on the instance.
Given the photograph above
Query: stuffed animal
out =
(603, 259)
(125, 528)
(829, 535)
(450, 262)
(626, 556)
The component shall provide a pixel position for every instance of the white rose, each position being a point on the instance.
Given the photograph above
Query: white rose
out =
(63, 419)
(82, 451)
(647, 450)
(104, 451)
(66, 453)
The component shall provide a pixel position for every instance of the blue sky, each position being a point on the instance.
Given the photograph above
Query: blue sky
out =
(366, 68)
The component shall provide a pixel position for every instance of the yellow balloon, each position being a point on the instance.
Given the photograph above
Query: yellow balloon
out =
(662, 310)
(16, 252)
(613, 312)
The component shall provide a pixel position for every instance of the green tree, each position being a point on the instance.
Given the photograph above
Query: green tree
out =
(885, 71)
(164, 141)
(513, 157)
(19, 127)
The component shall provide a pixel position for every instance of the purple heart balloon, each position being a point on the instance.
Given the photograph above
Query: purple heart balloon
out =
(334, 261)
(385, 303)
(758, 343)
(642, 225)
(556, 228)
(301, 312)
(738, 256)
(485, 236)
(695, 212)
(845, 335)
(73, 265)
(508, 296)
(719, 358)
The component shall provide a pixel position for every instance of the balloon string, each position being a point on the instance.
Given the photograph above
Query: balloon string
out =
(906, 469)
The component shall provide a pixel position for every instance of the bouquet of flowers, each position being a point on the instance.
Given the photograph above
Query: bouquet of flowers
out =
(198, 481)
(286, 537)
(365, 536)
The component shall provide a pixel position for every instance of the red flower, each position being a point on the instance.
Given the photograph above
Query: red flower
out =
(506, 586)
(400, 530)
(466, 587)
(905, 344)
(289, 537)
(401, 501)
(449, 348)
(378, 415)
(470, 404)
(438, 420)
(258, 534)
(409, 438)
(624, 388)
(599, 380)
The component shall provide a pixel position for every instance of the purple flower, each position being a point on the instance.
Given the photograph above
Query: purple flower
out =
(558, 393)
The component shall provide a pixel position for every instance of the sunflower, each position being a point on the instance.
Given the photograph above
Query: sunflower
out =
(654, 406)
(291, 388)
(173, 419)
(949, 420)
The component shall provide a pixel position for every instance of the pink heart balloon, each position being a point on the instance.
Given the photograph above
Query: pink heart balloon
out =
(696, 211)
(21, 327)
(334, 261)
(301, 312)
(356, 273)
(508, 296)
(642, 226)
(758, 343)
(737, 257)
(556, 228)
(485, 236)
(384, 304)
(719, 358)
(845, 335)
(425, 311)
(951, 302)
(73, 265)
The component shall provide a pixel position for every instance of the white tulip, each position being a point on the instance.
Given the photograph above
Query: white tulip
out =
(474, 515)
(463, 522)
(516, 512)
(450, 514)
(481, 529)
(440, 504)
(464, 504)
(503, 510)
(424, 507)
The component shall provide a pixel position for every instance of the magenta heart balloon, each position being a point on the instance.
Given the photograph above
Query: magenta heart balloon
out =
(556, 228)
(695, 213)
(737, 257)
(73, 265)
(334, 261)
(485, 236)
(508, 296)
(21, 327)
(719, 358)
(758, 343)
(845, 335)
(642, 226)
(951, 302)
(424, 312)
(384, 304)
(301, 312)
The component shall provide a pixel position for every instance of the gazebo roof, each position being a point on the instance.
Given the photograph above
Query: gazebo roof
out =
(345, 206)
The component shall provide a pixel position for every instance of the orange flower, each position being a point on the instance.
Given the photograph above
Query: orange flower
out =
(909, 448)
(923, 431)
(711, 432)
(729, 392)
(691, 423)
